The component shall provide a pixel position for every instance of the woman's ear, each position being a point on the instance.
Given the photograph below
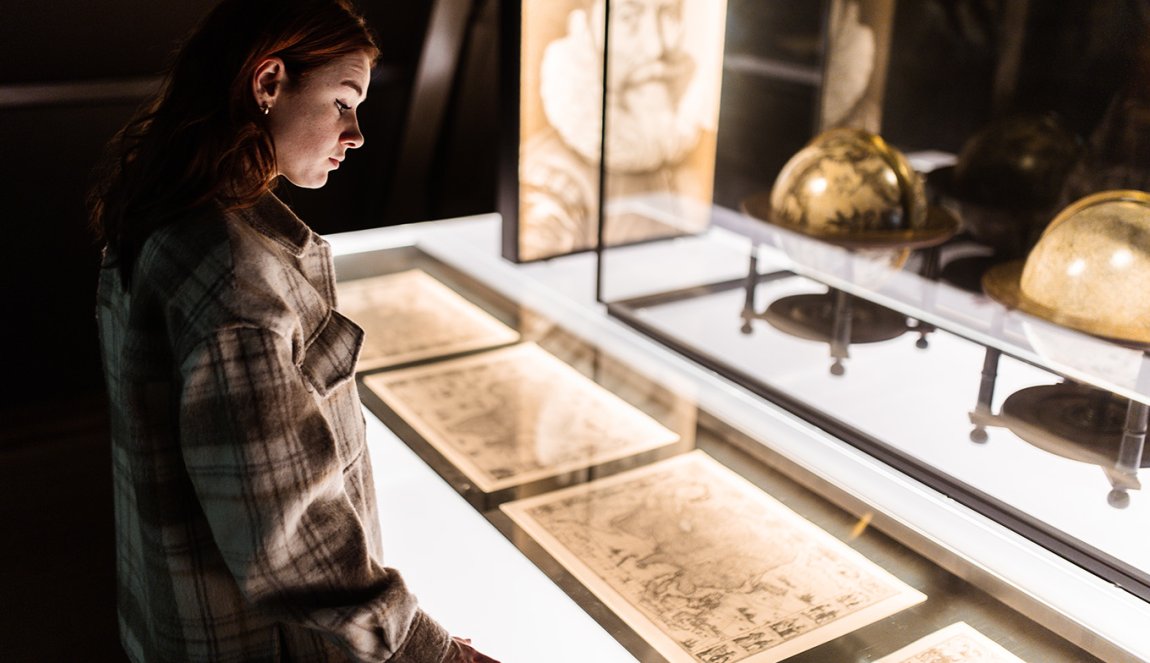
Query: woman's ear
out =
(267, 81)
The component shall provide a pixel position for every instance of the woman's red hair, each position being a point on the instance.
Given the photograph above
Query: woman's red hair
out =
(203, 140)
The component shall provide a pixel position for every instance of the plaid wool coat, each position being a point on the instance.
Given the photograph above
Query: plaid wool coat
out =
(245, 509)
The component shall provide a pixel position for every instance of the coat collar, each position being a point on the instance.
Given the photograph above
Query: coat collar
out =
(272, 218)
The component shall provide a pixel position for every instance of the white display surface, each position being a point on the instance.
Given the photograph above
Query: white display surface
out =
(1091, 612)
(466, 575)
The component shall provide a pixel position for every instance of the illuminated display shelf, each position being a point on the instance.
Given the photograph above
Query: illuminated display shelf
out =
(1043, 586)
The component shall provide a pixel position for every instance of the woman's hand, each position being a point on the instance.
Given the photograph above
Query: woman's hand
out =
(462, 652)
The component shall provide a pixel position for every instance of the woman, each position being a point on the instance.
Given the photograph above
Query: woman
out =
(245, 512)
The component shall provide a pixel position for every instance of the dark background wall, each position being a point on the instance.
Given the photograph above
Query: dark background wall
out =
(51, 51)
(71, 73)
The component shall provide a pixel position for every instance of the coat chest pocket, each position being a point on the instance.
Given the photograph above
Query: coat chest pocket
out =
(330, 359)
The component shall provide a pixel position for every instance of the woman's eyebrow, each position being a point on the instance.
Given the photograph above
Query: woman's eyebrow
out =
(353, 85)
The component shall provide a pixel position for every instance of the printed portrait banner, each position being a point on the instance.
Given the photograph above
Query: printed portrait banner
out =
(705, 566)
(664, 73)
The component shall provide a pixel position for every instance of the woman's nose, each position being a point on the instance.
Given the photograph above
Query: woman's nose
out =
(352, 138)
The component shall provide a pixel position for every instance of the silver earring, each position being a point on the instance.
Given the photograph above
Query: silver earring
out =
(265, 108)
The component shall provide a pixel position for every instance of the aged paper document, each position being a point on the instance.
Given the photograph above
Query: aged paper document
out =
(707, 567)
(957, 643)
(514, 415)
(408, 316)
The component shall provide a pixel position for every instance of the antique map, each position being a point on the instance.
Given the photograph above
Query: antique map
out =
(707, 567)
(408, 316)
(957, 643)
(514, 415)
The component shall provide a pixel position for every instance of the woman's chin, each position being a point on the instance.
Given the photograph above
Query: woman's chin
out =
(312, 181)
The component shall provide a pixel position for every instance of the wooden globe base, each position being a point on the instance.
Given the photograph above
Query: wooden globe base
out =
(812, 317)
(1070, 420)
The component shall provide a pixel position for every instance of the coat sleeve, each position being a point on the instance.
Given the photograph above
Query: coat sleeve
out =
(264, 464)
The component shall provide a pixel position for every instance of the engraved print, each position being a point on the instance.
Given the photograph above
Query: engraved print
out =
(957, 643)
(408, 316)
(517, 414)
(706, 566)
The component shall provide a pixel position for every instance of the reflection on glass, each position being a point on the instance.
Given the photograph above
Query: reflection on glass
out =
(1119, 364)
(834, 317)
(1031, 101)
(1084, 424)
(857, 51)
(1008, 178)
(662, 110)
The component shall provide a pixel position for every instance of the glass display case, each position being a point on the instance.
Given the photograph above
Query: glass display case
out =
(687, 529)
(872, 290)
(763, 364)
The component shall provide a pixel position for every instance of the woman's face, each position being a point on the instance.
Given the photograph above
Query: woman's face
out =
(313, 122)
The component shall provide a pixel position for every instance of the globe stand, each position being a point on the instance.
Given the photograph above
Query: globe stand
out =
(833, 317)
(982, 416)
(1074, 421)
(930, 270)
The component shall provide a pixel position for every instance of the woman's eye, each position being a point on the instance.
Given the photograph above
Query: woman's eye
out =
(343, 108)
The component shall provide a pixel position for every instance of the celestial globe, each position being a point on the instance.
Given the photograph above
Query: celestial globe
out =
(1009, 176)
(849, 187)
(1089, 269)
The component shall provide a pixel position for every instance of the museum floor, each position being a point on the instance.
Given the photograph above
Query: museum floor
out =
(57, 569)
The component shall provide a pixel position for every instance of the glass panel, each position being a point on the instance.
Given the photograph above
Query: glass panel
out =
(864, 311)
(676, 592)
